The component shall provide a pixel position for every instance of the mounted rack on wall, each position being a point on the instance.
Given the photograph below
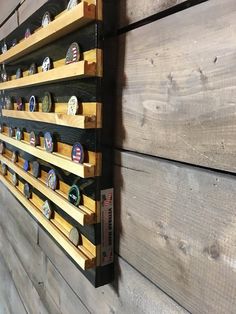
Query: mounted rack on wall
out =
(52, 152)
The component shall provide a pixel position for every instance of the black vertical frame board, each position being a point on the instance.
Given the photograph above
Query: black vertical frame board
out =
(95, 239)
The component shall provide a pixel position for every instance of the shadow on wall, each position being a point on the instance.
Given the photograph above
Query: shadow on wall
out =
(112, 99)
(117, 81)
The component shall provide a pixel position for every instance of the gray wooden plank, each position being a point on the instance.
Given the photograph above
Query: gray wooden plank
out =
(131, 11)
(130, 293)
(23, 283)
(176, 93)
(24, 222)
(28, 8)
(61, 292)
(21, 232)
(9, 26)
(49, 305)
(9, 297)
(176, 225)
(7, 7)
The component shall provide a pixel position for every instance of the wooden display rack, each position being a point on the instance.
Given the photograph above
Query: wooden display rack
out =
(83, 22)
(82, 214)
(63, 24)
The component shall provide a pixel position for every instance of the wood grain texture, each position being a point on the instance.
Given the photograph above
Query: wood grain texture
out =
(85, 36)
(78, 214)
(9, 297)
(28, 8)
(24, 285)
(29, 270)
(25, 260)
(9, 26)
(18, 219)
(82, 170)
(62, 290)
(69, 302)
(130, 293)
(30, 15)
(177, 227)
(131, 11)
(22, 232)
(7, 7)
(176, 97)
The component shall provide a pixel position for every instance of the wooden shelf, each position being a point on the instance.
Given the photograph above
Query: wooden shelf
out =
(89, 249)
(79, 257)
(77, 214)
(66, 72)
(65, 23)
(77, 121)
(84, 170)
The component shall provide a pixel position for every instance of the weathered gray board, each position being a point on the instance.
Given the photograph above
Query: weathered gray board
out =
(130, 293)
(29, 265)
(177, 87)
(177, 226)
(48, 281)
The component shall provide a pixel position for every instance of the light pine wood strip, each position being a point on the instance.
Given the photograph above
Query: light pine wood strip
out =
(82, 170)
(91, 56)
(85, 108)
(77, 121)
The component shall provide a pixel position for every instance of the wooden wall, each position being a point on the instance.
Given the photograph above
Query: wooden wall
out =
(174, 175)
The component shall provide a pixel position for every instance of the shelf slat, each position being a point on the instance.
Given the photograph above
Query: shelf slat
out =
(76, 213)
(74, 70)
(77, 121)
(83, 261)
(64, 24)
(82, 170)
